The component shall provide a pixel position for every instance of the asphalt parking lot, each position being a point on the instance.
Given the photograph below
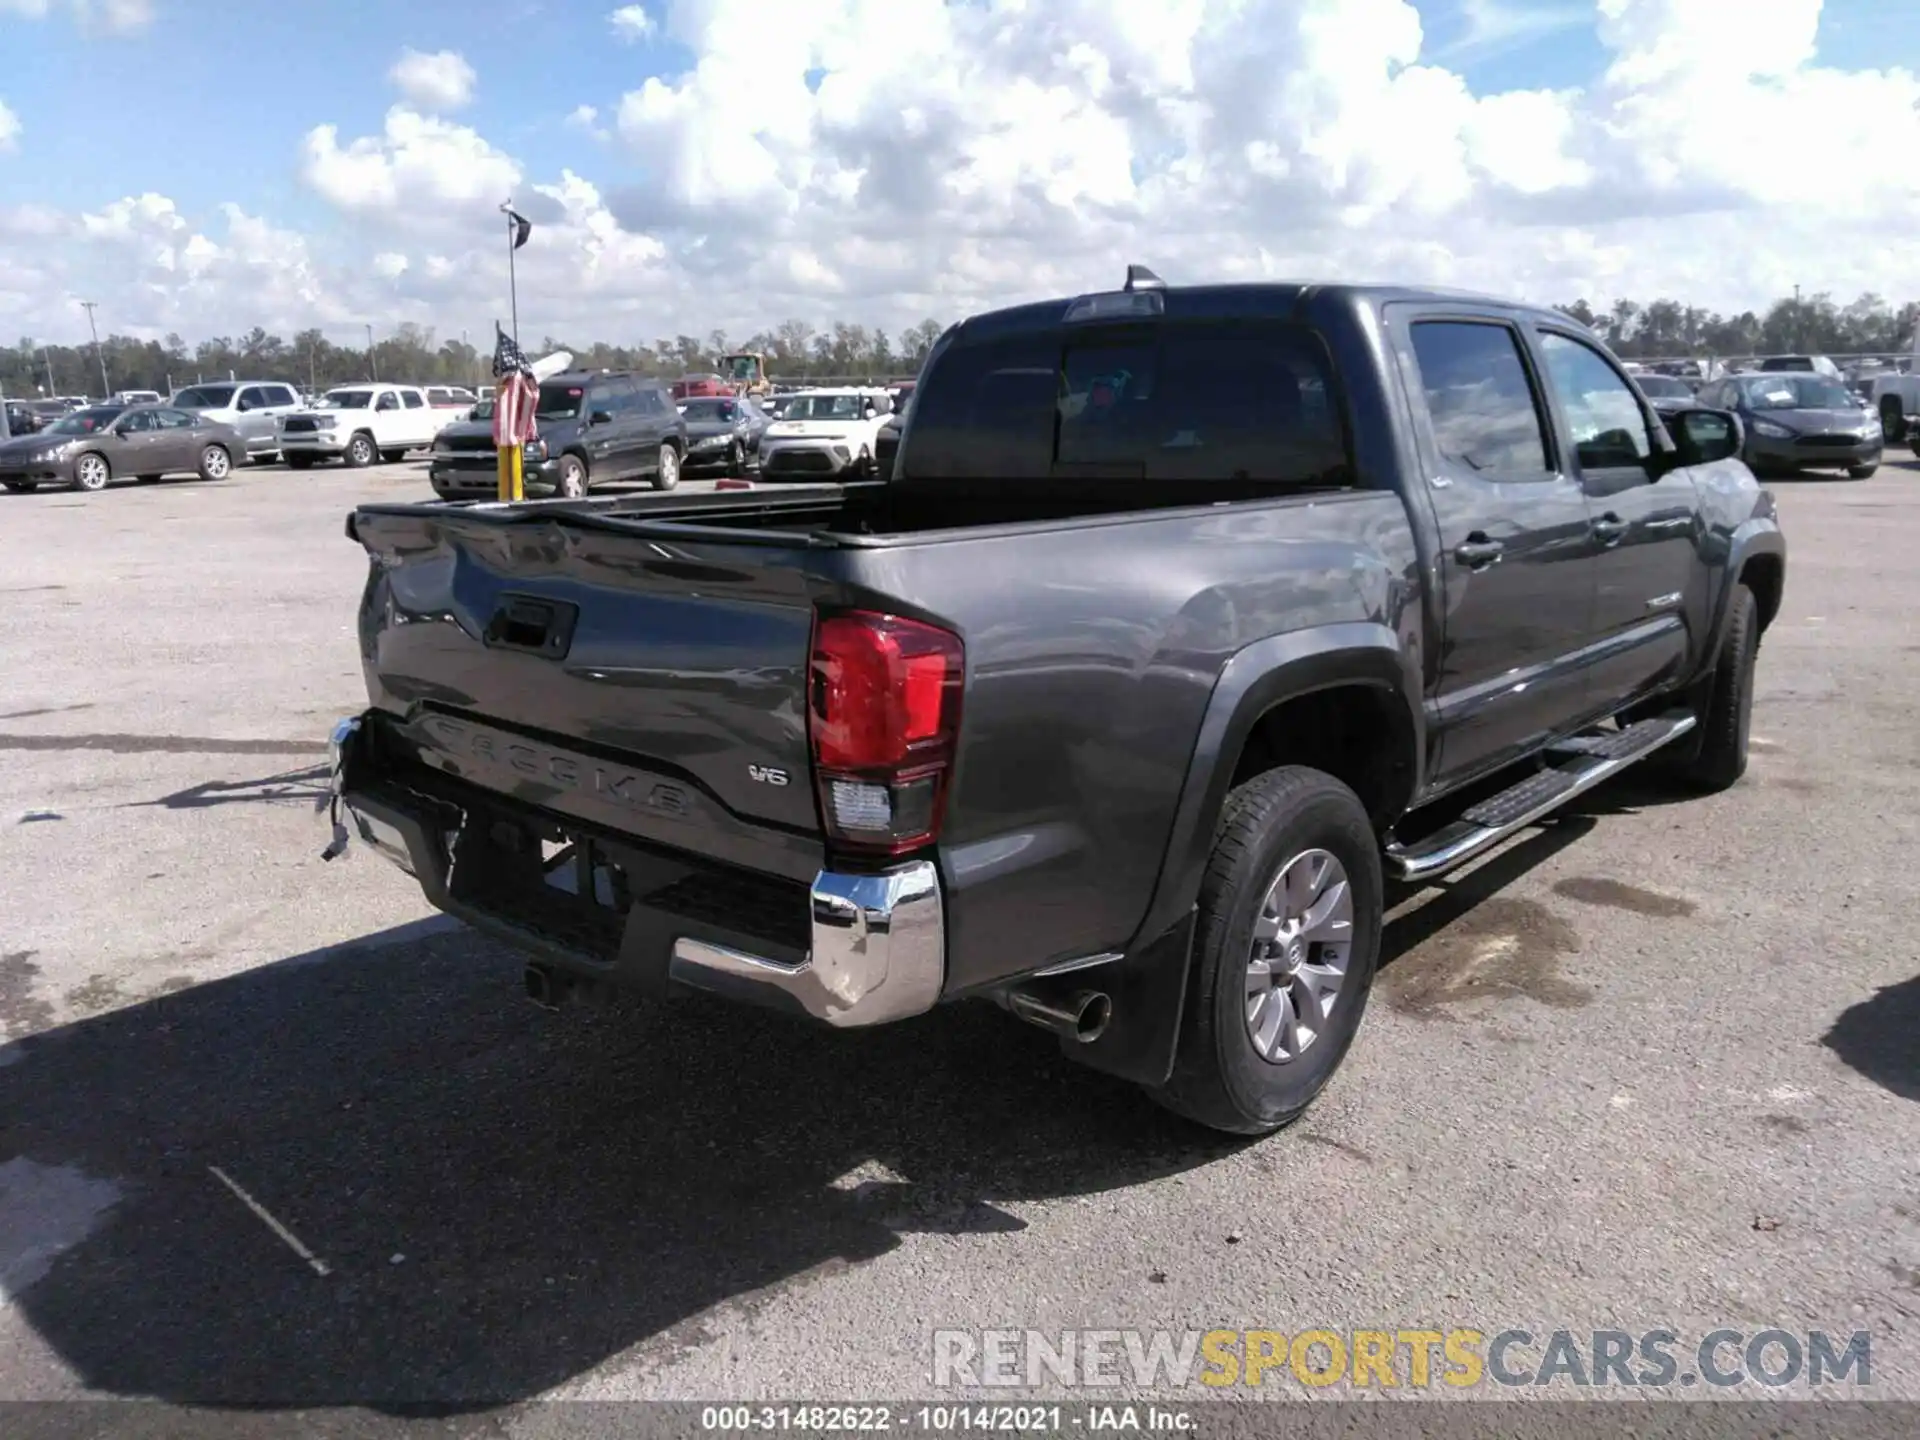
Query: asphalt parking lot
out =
(271, 1134)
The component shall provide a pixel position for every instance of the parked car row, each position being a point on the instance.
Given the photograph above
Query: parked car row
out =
(598, 426)
(210, 429)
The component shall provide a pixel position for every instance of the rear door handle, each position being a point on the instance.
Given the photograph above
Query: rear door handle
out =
(1609, 528)
(1477, 552)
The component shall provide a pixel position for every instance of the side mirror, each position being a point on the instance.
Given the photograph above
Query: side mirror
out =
(600, 417)
(1703, 437)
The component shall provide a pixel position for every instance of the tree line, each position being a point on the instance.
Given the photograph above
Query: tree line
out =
(1813, 324)
(414, 354)
(795, 350)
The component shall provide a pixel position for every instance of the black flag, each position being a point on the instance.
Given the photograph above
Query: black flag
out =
(522, 227)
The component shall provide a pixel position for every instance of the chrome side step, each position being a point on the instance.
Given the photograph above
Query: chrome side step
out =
(1591, 759)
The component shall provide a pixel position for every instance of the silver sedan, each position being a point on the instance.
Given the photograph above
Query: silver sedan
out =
(93, 447)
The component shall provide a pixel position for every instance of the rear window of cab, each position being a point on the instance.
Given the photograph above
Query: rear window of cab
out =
(1241, 401)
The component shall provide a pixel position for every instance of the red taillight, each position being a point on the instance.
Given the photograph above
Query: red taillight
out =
(883, 710)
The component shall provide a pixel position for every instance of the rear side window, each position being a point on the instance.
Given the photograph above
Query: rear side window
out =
(1482, 406)
(411, 399)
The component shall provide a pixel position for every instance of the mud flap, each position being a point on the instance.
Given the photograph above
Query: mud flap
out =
(1149, 992)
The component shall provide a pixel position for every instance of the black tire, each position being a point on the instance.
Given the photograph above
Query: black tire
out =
(1893, 424)
(1862, 472)
(667, 474)
(392, 457)
(574, 481)
(1726, 718)
(216, 462)
(299, 462)
(360, 452)
(91, 471)
(146, 479)
(21, 487)
(1219, 1078)
(736, 461)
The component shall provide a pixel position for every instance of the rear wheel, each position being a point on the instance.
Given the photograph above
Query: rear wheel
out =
(392, 457)
(1288, 936)
(215, 463)
(668, 475)
(299, 462)
(573, 481)
(1893, 424)
(91, 472)
(360, 452)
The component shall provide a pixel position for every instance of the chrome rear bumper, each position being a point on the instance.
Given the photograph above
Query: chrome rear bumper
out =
(877, 942)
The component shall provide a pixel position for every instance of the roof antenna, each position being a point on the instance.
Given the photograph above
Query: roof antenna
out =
(1139, 277)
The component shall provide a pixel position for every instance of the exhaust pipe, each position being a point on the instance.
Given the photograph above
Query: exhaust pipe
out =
(1081, 1016)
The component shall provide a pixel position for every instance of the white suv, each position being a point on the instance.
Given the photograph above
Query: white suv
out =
(825, 433)
(360, 424)
(253, 407)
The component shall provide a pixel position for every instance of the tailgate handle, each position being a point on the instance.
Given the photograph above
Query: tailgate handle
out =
(539, 627)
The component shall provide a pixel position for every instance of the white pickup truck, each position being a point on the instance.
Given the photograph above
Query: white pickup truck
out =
(825, 433)
(1897, 398)
(360, 424)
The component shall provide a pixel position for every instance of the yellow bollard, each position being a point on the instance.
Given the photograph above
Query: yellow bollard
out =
(512, 482)
(503, 490)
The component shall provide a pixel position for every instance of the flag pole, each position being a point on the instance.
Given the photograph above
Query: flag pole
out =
(513, 284)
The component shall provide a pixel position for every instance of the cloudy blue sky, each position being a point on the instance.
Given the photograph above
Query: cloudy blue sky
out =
(203, 166)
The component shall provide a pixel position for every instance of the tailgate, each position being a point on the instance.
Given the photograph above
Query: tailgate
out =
(657, 684)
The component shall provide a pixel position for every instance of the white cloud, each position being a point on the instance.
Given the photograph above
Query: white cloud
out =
(1497, 27)
(440, 81)
(587, 118)
(111, 17)
(9, 128)
(631, 23)
(419, 170)
(882, 162)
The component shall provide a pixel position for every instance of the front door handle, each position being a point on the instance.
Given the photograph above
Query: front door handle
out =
(1609, 528)
(1477, 552)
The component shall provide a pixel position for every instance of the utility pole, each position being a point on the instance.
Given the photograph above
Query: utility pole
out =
(47, 355)
(106, 388)
(1799, 322)
(373, 366)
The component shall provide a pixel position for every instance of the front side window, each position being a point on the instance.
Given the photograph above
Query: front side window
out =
(560, 402)
(250, 399)
(1479, 399)
(1607, 427)
(138, 421)
(388, 401)
(206, 397)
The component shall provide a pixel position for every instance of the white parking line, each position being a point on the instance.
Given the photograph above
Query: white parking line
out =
(293, 1241)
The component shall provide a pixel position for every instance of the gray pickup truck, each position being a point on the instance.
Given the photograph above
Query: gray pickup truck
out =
(1188, 619)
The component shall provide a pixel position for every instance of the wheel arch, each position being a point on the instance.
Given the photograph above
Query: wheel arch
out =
(1272, 705)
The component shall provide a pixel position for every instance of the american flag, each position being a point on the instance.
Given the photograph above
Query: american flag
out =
(516, 393)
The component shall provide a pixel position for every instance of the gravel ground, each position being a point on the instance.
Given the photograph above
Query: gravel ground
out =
(272, 1134)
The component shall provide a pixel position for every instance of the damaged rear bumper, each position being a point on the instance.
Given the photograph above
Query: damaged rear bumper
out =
(850, 949)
